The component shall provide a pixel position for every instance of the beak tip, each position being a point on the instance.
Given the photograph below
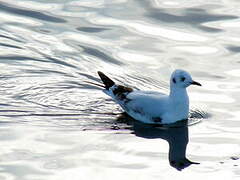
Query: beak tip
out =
(196, 83)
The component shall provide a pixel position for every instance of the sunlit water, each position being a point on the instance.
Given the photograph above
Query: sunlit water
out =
(54, 125)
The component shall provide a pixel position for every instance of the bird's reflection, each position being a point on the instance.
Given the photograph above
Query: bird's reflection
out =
(176, 135)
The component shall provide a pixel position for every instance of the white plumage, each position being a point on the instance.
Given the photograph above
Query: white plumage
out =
(150, 106)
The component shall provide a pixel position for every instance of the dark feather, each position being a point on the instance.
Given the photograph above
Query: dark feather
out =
(122, 89)
(119, 91)
(106, 80)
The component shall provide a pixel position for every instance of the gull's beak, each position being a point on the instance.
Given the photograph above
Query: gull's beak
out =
(196, 83)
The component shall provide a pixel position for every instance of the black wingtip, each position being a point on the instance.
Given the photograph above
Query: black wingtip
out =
(106, 80)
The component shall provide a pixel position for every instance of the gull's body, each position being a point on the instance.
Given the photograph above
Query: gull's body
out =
(150, 106)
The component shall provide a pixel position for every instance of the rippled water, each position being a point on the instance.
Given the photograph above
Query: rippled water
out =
(54, 125)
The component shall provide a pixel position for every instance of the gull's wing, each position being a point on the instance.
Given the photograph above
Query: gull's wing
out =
(147, 106)
(113, 90)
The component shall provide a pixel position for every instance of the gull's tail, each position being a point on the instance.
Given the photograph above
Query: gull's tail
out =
(106, 80)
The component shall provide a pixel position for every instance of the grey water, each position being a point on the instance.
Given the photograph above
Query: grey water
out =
(54, 125)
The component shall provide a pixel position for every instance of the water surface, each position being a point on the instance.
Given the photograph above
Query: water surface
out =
(53, 125)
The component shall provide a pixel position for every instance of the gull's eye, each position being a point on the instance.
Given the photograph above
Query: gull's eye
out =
(174, 80)
(183, 78)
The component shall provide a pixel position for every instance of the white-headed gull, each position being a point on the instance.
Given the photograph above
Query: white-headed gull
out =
(150, 106)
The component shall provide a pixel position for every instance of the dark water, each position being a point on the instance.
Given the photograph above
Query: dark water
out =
(53, 125)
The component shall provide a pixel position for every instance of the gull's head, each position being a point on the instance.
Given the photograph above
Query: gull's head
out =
(182, 79)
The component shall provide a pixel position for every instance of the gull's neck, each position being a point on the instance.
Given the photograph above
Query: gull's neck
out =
(179, 102)
(178, 93)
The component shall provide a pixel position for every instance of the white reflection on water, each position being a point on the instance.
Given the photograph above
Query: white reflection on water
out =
(198, 50)
(235, 24)
(153, 30)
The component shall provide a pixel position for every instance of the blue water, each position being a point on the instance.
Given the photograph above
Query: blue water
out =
(53, 125)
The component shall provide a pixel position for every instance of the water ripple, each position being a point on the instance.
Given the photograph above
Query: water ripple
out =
(30, 13)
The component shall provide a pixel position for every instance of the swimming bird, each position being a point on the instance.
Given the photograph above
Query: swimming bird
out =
(153, 107)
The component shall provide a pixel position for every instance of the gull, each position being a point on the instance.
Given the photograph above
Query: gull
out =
(153, 107)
